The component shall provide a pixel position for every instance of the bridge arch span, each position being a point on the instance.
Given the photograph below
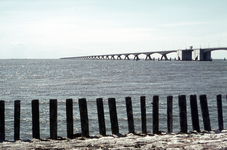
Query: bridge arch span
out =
(152, 56)
(216, 54)
(139, 56)
(215, 49)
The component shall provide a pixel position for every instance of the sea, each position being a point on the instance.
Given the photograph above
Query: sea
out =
(61, 79)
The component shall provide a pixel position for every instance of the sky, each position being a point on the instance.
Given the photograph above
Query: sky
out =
(50, 29)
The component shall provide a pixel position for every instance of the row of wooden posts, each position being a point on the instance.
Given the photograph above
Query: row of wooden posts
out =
(113, 116)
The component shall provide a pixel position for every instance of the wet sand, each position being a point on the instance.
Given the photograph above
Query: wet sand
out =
(205, 140)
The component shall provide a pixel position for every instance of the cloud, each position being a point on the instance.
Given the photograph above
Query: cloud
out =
(19, 44)
(70, 30)
(185, 24)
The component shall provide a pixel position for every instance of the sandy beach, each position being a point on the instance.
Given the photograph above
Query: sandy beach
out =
(193, 140)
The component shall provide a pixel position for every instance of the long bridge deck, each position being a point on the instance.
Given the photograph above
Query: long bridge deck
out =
(185, 54)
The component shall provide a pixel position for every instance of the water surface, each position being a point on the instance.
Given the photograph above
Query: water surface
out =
(26, 80)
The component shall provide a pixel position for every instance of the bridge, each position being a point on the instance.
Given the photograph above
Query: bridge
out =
(205, 53)
(199, 54)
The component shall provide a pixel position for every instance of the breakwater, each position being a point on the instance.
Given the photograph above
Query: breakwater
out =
(84, 118)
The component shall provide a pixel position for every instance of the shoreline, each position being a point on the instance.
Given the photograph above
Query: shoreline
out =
(214, 139)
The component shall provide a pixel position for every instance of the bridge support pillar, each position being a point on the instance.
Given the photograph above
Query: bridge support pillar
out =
(148, 57)
(112, 57)
(184, 55)
(202, 55)
(126, 57)
(164, 55)
(136, 57)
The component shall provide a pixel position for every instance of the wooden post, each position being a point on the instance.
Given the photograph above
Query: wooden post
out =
(194, 113)
(69, 117)
(35, 119)
(113, 116)
(16, 120)
(2, 120)
(205, 112)
(170, 114)
(220, 114)
(84, 117)
(128, 102)
(143, 114)
(53, 119)
(101, 117)
(155, 114)
(183, 113)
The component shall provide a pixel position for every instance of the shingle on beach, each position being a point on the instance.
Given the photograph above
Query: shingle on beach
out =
(193, 140)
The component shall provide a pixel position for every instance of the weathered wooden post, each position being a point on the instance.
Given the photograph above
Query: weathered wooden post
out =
(155, 114)
(170, 114)
(194, 113)
(53, 118)
(69, 117)
(205, 112)
(84, 117)
(17, 120)
(220, 114)
(143, 114)
(35, 119)
(128, 102)
(2, 120)
(183, 113)
(113, 116)
(101, 117)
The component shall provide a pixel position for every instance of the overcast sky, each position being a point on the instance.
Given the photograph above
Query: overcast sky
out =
(68, 28)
